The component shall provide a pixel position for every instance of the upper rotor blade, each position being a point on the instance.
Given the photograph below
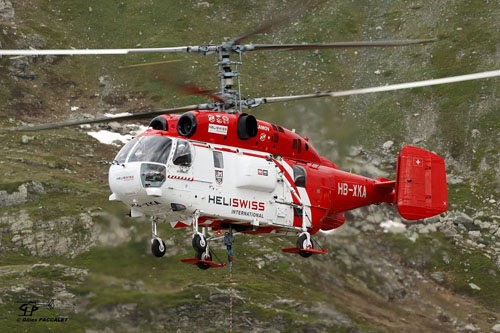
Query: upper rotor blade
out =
(34, 52)
(139, 115)
(298, 8)
(408, 85)
(339, 44)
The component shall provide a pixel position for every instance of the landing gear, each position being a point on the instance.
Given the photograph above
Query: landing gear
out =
(157, 244)
(205, 256)
(305, 246)
(158, 247)
(199, 242)
(305, 242)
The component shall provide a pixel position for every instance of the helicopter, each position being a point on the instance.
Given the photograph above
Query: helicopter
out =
(215, 168)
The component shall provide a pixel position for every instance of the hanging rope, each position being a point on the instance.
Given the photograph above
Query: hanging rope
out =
(231, 302)
(228, 241)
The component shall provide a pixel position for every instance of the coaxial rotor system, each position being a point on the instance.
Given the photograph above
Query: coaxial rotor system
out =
(229, 99)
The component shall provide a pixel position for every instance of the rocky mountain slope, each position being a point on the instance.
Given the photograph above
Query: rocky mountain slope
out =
(61, 239)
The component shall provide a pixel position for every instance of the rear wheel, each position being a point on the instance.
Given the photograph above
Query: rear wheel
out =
(303, 244)
(203, 256)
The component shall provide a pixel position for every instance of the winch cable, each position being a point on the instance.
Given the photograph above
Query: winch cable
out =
(228, 241)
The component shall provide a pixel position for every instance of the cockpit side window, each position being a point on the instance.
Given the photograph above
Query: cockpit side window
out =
(299, 176)
(182, 155)
(151, 148)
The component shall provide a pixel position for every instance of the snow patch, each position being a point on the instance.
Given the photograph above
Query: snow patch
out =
(114, 115)
(394, 227)
(112, 138)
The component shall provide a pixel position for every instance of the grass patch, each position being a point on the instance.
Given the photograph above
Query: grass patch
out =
(464, 267)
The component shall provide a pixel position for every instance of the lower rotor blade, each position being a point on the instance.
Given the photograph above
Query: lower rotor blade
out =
(34, 52)
(69, 123)
(408, 85)
(150, 64)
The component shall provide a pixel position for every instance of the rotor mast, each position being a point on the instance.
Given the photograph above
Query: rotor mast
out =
(227, 76)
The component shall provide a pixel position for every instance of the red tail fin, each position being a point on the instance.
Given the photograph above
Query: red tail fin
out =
(420, 184)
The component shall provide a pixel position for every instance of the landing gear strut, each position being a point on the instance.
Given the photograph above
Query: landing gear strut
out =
(200, 244)
(157, 245)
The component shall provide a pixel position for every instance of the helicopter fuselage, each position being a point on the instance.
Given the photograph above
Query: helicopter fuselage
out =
(174, 170)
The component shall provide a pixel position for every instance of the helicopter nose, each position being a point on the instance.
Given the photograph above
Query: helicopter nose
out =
(125, 180)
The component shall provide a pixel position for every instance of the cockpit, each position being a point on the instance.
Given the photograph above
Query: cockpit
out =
(156, 151)
(146, 149)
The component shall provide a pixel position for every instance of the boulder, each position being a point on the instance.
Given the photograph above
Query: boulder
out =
(6, 11)
(387, 145)
(438, 277)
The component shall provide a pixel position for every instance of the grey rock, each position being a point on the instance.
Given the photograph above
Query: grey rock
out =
(35, 187)
(474, 234)
(446, 258)
(466, 221)
(6, 11)
(438, 277)
(474, 286)
(450, 179)
(355, 151)
(425, 229)
(413, 237)
(67, 235)
(471, 327)
(26, 139)
(387, 145)
(104, 81)
(484, 166)
(448, 231)
(115, 126)
(15, 198)
(496, 328)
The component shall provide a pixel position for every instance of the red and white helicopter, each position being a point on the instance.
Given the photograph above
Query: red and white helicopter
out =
(215, 168)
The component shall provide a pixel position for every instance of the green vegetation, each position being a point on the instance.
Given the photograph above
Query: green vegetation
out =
(462, 266)
(65, 161)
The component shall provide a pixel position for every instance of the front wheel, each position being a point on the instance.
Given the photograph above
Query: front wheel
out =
(158, 248)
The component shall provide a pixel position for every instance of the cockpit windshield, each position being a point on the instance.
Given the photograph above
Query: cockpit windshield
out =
(121, 157)
(151, 148)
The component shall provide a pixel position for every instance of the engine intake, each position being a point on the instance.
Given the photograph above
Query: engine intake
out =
(186, 126)
(247, 126)
(159, 123)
